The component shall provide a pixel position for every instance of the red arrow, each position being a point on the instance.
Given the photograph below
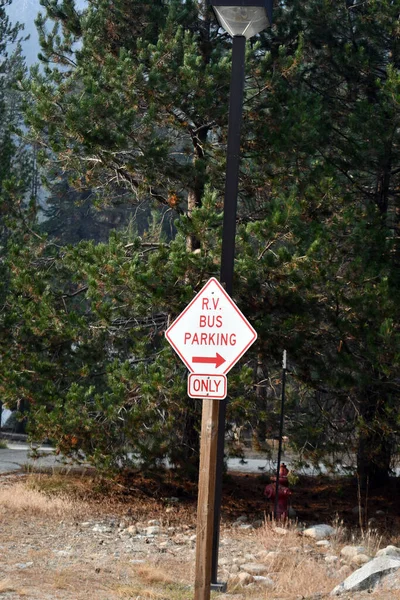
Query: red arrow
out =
(217, 359)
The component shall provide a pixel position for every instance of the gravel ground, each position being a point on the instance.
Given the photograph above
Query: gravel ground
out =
(50, 550)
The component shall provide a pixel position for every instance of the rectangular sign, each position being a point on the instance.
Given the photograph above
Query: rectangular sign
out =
(213, 387)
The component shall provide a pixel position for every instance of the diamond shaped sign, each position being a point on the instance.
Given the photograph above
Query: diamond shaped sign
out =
(211, 334)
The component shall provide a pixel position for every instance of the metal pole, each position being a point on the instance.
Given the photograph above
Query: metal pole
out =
(280, 433)
(228, 257)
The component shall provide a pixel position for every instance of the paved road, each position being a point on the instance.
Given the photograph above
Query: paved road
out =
(17, 456)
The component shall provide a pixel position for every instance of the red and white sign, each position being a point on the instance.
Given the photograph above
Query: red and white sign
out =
(207, 386)
(211, 333)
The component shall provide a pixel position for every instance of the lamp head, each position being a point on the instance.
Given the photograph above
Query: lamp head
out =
(243, 17)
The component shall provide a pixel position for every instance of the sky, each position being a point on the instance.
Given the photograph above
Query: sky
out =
(25, 11)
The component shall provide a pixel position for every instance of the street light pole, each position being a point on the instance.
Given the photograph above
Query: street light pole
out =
(228, 256)
(232, 161)
(241, 19)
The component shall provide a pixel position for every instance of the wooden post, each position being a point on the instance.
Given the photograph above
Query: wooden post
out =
(206, 496)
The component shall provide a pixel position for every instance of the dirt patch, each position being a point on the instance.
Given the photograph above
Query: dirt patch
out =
(77, 538)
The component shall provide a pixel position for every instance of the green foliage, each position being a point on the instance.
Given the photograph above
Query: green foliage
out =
(132, 99)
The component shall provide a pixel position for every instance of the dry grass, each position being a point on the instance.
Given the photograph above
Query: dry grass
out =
(18, 498)
(151, 575)
(153, 583)
(296, 568)
(6, 586)
(70, 562)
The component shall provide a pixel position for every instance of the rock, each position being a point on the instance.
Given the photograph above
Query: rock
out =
(280, 530)
(344, 571)
(380, 513)
(249, 557)
(242, 519)
(153, 522)
(257, 524)
(24, 565)
(245, 526)
(360, 559)
(132, 529)
(391, 582)
(323, 543)
(352, 551)
(389, 551)
(137, 561)
(254, 568)
(331, 558)
(101, 528)
(319, 532)
(129, 531)
(266, 581)
(292, 514)
(154, 530)
(368, 576)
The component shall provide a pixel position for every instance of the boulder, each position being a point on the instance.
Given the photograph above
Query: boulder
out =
(389, 551)
(391, 582)
(254, 568)
(368, 576)
(319, 532)
(351, 551)
(360, 559)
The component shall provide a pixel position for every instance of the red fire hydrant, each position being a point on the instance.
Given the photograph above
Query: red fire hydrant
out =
(283, 492)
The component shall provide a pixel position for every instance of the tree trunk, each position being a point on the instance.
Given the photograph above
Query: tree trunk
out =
(192, 242)
(261, 404)
(375, 445)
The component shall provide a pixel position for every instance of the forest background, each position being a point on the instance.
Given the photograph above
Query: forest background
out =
(112, 173)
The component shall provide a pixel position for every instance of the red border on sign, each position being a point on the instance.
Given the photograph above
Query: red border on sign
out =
(214, 397)
(241, 315)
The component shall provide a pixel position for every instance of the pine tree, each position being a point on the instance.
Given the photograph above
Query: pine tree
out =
(134, 95)
(17, 200)
(331, 118)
